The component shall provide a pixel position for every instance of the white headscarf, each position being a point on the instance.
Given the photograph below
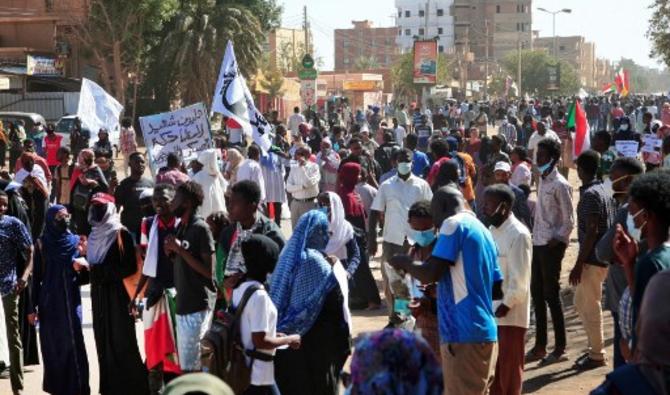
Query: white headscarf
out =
(102, 235)
(212, 182)
(341, 229)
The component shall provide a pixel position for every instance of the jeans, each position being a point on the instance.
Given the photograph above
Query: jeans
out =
(544, 290)
(10, 304)
(262, 390)
(616, 353)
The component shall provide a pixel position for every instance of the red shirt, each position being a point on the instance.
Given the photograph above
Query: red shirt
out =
(51, 145)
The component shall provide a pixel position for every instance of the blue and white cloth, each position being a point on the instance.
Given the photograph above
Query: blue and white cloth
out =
(14, 236)
(465, 312)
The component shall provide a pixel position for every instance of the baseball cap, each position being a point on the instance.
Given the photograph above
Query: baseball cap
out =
(502, 166)
(102, 198)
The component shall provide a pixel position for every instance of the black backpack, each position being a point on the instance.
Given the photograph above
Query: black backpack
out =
(222, 352)
(462, 171)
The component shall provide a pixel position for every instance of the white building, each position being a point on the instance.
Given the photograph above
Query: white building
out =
(425, 19)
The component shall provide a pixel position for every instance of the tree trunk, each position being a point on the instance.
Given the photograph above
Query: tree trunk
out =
(119, 74)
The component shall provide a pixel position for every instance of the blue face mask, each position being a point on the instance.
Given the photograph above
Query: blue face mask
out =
(423, 238)
(545, 167)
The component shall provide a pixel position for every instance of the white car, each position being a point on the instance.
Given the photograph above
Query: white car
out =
(64, 128)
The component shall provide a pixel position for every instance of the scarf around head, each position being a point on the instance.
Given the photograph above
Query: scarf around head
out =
(340, 229)
(60, 246)
(103, 234)
(348, 179)
(303, 277)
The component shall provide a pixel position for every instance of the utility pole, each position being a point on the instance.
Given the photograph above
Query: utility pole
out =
(466, 49)
(518, 66)
(305, 26)
(486, 59)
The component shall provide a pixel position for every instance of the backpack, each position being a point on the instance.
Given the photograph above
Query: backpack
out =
(222, 352)
(462, 171)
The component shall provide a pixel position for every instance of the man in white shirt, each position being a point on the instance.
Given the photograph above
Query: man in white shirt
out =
(303, 185)
(295, 120)
(250, 169)
(542, 132)
(394, 198)
(399, 133)
(515, 249)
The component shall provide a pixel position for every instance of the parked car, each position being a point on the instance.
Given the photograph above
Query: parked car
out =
(30, 118)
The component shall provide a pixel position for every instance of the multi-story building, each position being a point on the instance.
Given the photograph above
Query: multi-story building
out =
(42, 28)
(375, 46)
(425, 20)
(491, 27)
(576, 51)
(285, 47)
(604, 73)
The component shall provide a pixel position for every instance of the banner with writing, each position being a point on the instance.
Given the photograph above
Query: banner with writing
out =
(651, 143)
(626, 148)
(185, 131)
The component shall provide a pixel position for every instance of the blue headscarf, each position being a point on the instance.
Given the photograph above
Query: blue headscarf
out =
(303, 277)
(61, 245)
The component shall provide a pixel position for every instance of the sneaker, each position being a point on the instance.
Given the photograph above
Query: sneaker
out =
(589, 363)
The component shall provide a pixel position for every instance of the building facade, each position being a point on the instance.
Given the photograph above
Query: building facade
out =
(424, 20)
(365, 45)
(286, 47)
(576, 51)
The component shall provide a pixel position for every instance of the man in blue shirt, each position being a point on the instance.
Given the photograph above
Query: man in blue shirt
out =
(465, 263)
(420, 161)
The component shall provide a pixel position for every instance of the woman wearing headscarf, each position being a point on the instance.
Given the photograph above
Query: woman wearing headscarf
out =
(111, 256)
(649, 374)
(35, 192)
(310, 298)
(394, 362)
(212, 182)
(57, 303)
(364, 292)
(234, 158)
(86, 179)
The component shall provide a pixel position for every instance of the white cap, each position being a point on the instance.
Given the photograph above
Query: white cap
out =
(503, 166)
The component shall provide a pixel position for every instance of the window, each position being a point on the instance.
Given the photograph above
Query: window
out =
(440, 12)
(407, 14)
(421, 31)
(440, 30)
(440, 48)
(346, 60)
(345, 44)
(421, 13)
(400, 32)
(498, 9)
(561, 47)
(399, 13)
(408, 32)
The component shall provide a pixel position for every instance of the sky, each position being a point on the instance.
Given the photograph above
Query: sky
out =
(617, 27)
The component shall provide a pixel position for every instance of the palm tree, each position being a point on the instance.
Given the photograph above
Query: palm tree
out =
(193, 48)
(364, 63)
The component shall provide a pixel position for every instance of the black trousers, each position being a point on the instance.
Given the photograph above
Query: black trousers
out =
(545, 290)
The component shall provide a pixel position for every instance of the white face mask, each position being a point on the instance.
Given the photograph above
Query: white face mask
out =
(634, 231)
(624, 127)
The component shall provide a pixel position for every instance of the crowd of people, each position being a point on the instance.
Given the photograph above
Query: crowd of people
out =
(473, 208)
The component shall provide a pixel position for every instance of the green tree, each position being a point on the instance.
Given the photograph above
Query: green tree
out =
(273, 83)
(194, 42)
(534, 74)
(365, 63)
(116, 36)
(402, 75)
(658, 31)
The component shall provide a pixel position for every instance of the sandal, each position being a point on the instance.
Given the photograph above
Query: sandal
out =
(589, 363)
(535, 355)
(553, 358)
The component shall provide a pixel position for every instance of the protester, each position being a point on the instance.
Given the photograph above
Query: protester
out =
(295, 120)
(521, 167)
(127, 143)
(29, 151)
(394, 362)
(35, 192)
(420, 161)
(172, 174)
(602, 144)
(234, 158)
(393, 200)
(303, 185)
(310, 298)
(15, 246)
(212, 183)
(250, 169)
(515, 249)
(328, 161)
(51, 145)
(191, 250)
(127, 195)
(56, 303)
(553, 223)
(274, 177)
(111, 258)
(103, 147)
(258, 322)
(86, 179)
(465, 264)
(198, 383)
(502, 174)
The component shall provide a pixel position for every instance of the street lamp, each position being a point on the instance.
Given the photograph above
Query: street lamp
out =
(553, 14)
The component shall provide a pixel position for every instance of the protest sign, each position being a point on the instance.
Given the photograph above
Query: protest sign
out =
(626, 148)
(185, 131)
(651, 143)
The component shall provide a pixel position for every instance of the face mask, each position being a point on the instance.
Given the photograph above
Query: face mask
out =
(624, 127)
(497, 218)
(634, 231)
(404, 168)
(62, 224)
(98, 212)
(543, 169)
(323, 210)
(423, 238)
(609, 186)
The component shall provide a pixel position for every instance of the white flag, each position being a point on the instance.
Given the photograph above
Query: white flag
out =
(98, 109)
(233, 99)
